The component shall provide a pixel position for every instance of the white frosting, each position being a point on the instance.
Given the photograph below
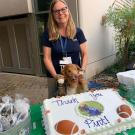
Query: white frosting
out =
(65, 108)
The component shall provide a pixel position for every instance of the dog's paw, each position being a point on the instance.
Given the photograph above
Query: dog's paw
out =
(60, 81)
(60, 78)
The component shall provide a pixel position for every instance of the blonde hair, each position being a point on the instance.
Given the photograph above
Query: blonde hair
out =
(53, 27)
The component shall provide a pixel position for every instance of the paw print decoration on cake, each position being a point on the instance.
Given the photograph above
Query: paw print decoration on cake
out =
(124, 111)
(90, 108)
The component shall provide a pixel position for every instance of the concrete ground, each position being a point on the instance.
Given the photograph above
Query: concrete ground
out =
(32, 87)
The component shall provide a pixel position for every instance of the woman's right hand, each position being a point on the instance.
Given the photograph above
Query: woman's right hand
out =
(59, 76)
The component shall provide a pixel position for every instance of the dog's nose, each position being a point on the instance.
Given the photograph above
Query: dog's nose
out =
(75, 77)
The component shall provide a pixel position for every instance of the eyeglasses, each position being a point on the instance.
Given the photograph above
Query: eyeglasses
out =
(63, 10)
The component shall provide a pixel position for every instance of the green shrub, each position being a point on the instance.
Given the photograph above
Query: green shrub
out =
(123, 21)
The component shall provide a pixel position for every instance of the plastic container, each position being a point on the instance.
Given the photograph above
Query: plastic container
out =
(23, 128)
(127, 78)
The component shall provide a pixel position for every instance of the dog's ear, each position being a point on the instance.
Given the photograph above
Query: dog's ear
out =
(78, 68)
(63, 71)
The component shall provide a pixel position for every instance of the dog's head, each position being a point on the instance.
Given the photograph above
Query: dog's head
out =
(74, 79)
(71, 72)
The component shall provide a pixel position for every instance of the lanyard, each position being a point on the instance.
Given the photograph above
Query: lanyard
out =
(63, 46)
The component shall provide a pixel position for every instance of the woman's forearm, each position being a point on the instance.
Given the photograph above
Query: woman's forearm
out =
(50, 67)
(84, 62)
(84, 56)
(48, 61)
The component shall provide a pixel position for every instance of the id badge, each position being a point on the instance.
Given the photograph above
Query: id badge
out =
(66, 60)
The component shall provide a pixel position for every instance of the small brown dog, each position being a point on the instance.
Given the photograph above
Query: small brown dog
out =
(73, 80)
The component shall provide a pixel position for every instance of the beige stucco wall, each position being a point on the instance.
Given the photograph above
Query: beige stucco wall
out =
(15, 7)
(101, 48)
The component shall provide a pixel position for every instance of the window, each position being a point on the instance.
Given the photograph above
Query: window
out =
(41, 14)
(42, 5)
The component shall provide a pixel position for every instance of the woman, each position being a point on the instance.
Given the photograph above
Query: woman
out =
(63, 43)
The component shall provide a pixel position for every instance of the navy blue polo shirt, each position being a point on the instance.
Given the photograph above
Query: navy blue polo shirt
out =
(72, 48)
